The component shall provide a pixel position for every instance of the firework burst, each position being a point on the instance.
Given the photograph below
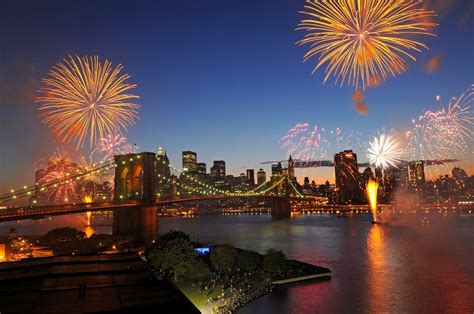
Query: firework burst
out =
(111, 145)
(444, 133)
(86, 99)
(384, 152)
(309, 143)
(364, 39)
(59, 169)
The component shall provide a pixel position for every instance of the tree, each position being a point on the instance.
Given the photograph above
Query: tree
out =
(65, 234)
(248, 260)
(173, 254)
(223, 256)
(200, 271)
(274, 261)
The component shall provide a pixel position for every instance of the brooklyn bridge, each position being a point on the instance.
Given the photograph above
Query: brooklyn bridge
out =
(135, 203)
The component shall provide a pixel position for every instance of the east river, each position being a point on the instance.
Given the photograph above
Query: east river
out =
(411, 263)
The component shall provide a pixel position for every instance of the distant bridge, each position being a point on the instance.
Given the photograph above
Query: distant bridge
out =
(135, 204)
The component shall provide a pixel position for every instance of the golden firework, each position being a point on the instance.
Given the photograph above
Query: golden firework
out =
(363, 40)
(84, 98)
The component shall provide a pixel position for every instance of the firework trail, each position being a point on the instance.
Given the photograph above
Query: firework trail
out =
(365, 39)
(86, 99)
(309, 143)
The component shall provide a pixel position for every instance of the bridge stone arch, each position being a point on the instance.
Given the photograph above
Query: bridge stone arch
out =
(135, 178)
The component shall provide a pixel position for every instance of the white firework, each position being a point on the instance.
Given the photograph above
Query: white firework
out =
(384, 152)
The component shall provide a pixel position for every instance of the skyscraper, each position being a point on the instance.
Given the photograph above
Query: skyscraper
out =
(162, 164)
(250, 177)
(201, 168)
(347, 176)
(218, 169)
(261, 176)
(416, 175)
(277, 169)
(291, 168)
(189, 162)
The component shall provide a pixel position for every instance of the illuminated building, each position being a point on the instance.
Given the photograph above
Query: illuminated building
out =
(162, 163)
(261, 176)
(164, 188)
(291, 168)
(277, 169)
(347, 176)
(307, 190)
(459, 175)
(416, 175)
(201, 168)
(251, 177)
(218, 169)
(189, 162)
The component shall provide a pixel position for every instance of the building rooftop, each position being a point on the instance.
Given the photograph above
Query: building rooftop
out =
(115, 282)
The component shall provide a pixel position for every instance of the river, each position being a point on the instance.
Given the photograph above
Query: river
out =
(410, 263)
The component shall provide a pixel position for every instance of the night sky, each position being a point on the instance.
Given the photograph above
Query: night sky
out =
(222, 78)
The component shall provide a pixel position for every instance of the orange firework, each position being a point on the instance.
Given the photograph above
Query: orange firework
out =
(84, 98)
(361, 39)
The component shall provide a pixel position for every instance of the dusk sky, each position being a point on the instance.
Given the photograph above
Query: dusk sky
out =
(222, 78)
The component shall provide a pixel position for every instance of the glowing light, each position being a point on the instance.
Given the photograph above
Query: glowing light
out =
(88, 199)
(444, 133)
(372, 189)
(384, 152)
(84, 98)
(307, 143)
(110, 146)
(363, 39)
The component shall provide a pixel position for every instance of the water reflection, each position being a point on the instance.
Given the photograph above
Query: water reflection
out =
(377, 291)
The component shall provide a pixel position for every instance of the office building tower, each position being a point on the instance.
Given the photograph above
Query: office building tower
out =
(250, 178)
(347, 176)
(201, 168)
(189, 162)
(291, 168)
(261, 176)
(416, 175)
(218, 170)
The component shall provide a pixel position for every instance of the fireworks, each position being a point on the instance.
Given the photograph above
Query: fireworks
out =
(59, 169)
(88, 184)
(112, 145)
(307, 143)
(364, 39)
(384, 152)
(444, 133)
(84, 98)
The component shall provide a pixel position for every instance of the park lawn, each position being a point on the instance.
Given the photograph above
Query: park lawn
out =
(199, 299)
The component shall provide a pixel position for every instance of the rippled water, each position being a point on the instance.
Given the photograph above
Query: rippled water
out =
(411, 263)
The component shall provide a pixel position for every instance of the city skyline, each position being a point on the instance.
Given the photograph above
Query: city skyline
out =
(171, 85)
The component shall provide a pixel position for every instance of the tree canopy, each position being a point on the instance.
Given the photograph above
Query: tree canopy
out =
(64, 234)
(172, 253)
(274, 261)
(223, 256)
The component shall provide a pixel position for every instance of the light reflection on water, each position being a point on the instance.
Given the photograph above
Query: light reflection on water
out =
(404, 265)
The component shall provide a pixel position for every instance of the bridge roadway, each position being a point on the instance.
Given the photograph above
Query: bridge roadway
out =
(312, 203)
(35, 212)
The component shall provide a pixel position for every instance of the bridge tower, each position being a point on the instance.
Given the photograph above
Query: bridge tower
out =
(281, 206)
(135, 180)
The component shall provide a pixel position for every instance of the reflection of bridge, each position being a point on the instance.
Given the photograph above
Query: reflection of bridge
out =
(135, 205)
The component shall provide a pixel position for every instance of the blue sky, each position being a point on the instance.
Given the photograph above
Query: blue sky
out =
(222, 78)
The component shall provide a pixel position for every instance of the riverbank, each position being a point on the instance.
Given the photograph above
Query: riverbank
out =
(225, 292)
